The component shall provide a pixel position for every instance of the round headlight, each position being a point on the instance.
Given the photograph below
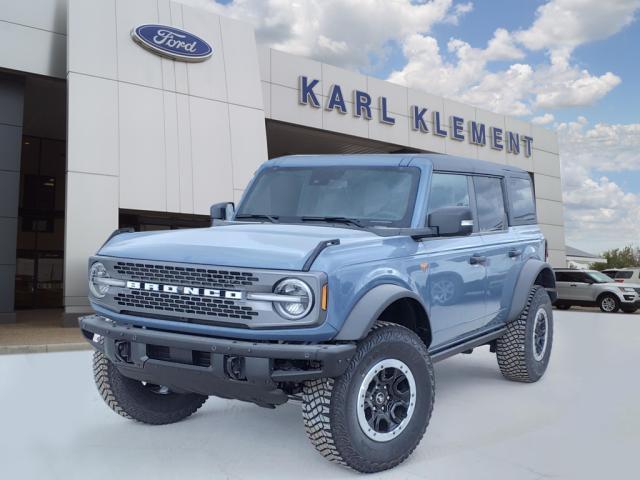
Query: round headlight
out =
(97, 288)
(293, 310)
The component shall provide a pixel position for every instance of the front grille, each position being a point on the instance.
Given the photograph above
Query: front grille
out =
(192, 276)
(184, 304)
(637, 290)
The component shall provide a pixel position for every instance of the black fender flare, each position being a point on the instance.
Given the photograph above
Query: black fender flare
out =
(531, 271)
(369, 308)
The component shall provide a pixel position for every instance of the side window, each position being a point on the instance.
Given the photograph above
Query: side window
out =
(585, 278)
(523, 207)
(578, 277)
(448, 190)
(490, 203)
(625, 275)
(561, 277)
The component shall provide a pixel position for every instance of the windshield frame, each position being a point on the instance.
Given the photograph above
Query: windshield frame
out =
(343, 222)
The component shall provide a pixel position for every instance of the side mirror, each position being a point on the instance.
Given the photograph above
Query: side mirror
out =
(452, 221)
(221, 211)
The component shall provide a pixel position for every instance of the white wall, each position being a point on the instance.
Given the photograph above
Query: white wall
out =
(279, 74)
(149, 133)
(33, 36)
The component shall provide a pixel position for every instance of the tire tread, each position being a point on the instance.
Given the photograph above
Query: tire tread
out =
(510, 348)
(317, 411)
(114, 393)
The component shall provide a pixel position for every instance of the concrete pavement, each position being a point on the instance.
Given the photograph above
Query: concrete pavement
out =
(581, 421)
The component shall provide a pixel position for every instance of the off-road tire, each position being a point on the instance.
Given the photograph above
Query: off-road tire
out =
(615, 299)
(515, 349)
(629, 309)
(133, 400)
(330, 404)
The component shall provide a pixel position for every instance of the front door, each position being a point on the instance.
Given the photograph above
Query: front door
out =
(456, 284)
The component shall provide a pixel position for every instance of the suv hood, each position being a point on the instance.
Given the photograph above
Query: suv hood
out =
(256, 245)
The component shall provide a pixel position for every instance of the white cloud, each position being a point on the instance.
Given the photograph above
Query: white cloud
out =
(599, 213)
(566, 86)
(467, 78)
(562, 25)
(604, 147)
(346, 33)
(521, 88)
(545, 119)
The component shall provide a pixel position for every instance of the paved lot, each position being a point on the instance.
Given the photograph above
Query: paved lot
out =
(582, 421)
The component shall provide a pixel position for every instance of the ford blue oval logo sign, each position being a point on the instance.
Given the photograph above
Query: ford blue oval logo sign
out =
(172, 43)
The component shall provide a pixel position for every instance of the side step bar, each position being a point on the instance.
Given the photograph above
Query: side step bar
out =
(447, 351)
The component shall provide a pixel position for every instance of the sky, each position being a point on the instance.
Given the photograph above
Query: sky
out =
(572, 66)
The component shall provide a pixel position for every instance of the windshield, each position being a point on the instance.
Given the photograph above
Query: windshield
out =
(363, 196)
(600, 277)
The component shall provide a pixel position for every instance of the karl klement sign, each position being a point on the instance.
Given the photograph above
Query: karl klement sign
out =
(477, 132)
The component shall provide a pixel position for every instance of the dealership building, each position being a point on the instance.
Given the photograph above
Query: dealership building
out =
(105, 124)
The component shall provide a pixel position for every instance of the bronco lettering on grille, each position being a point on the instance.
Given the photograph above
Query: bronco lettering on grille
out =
(197, 291)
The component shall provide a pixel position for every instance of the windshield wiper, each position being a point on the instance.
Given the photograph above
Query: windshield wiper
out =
(257, 216)
(350, 221)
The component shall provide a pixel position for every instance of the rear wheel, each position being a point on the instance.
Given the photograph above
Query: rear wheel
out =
(608, 303)
(562, 306)
(373, 416)
(523, 351)
(144, 402)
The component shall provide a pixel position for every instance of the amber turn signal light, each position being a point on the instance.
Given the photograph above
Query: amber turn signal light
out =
(325, 294)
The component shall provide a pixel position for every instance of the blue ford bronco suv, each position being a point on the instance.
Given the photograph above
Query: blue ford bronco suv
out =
(337, 282)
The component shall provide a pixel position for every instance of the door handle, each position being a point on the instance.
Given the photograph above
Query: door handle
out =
(477, 260)
(573, 285)
(514, 253)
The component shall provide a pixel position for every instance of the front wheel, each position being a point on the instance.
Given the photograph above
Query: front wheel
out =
(373, 416)
(523, 351)
(629, 309)
(609, 303)
(144, 402)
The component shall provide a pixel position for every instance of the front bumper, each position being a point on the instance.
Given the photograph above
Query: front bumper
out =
(244, 370)
(630, 300)
(630, 303)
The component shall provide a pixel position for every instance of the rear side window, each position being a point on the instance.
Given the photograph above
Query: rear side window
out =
(523, 207)
(570, 277)
(448, 190)
(624, 274)
(490, 203)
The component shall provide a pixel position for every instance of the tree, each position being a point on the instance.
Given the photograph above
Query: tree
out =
(619, 258)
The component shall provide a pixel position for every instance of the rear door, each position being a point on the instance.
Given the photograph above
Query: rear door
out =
(580, 286)
(562, 286)
(502, 252)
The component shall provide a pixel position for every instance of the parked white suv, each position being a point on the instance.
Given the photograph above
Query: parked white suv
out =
(628, 275)
(591, 288)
